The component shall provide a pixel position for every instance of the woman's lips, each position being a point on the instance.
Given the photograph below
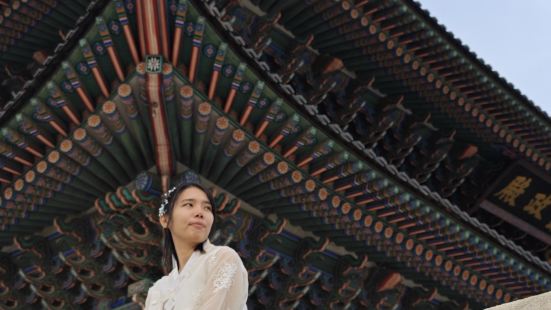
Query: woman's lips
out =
(198, 225)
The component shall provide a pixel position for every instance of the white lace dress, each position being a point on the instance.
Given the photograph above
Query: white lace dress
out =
(214, 280)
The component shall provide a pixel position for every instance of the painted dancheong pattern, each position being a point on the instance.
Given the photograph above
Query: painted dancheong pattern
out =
(225, 134)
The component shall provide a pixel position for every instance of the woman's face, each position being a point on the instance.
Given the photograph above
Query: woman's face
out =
(192, 216)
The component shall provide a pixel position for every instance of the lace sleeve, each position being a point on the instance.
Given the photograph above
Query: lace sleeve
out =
(227, 285)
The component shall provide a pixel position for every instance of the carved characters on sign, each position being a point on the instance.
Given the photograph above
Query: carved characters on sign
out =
(514, 189)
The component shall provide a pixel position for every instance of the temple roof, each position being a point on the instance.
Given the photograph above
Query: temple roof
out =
(334, 137)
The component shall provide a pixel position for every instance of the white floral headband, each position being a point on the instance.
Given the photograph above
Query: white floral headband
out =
(165, 199)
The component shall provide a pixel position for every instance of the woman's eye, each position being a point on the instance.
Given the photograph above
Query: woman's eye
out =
(187, 204)
(209, 208)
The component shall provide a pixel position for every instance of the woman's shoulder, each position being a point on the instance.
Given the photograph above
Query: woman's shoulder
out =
(222, 252)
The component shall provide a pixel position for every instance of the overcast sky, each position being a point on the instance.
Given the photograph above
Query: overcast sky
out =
(512, 36)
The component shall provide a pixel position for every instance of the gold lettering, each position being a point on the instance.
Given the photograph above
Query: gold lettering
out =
(537, 204)
(514, 189)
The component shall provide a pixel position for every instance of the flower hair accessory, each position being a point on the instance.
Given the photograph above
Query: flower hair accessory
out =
(187, 178)
(165, 198)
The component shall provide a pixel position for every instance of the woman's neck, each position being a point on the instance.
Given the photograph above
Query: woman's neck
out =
(184, 251)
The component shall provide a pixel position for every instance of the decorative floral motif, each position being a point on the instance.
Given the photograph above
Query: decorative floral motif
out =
(66, 86)
(99, 49)
(129, 6)
(165, 198)
(189, 29)
(228, 70)
(115, 27)
(224, 278)
(263, 102)
(209, 50)
(246, 87)
(82, 68)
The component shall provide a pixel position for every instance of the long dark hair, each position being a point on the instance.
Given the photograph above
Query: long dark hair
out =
(168, 244)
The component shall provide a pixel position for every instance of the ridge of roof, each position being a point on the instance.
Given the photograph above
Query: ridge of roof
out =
(478, 62)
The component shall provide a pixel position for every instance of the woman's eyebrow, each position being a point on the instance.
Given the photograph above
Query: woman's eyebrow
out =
(193, 200)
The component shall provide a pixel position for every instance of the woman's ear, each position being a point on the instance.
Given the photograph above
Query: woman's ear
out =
(164, 221)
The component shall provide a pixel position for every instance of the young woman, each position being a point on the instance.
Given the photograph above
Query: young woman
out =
(203, 276)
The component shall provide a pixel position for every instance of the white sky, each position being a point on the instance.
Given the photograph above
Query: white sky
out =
(512, 36)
